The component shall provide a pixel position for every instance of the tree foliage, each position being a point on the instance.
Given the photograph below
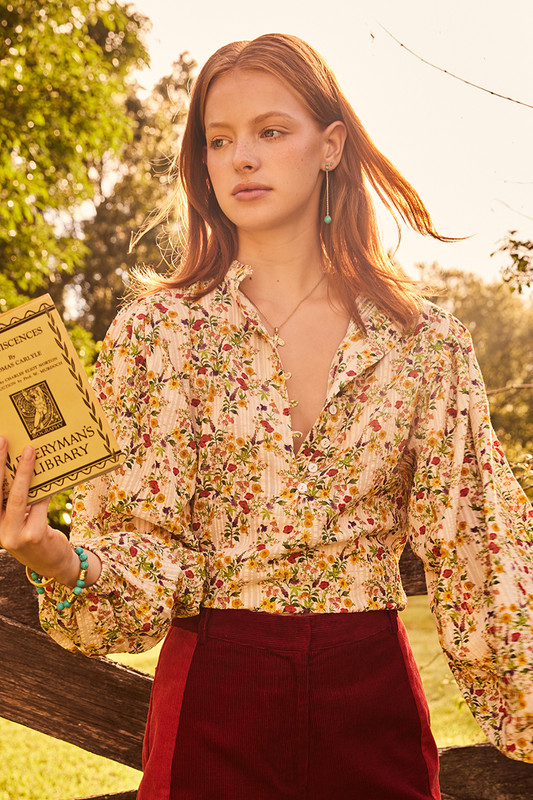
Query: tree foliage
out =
(518, 273)
(129, 188)
(63, 69)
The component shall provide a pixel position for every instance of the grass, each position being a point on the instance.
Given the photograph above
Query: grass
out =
(37, 767)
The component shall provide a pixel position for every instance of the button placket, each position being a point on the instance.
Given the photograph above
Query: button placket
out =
(278, 383)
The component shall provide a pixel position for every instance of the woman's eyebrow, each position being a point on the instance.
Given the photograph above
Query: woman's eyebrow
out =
(255, 120)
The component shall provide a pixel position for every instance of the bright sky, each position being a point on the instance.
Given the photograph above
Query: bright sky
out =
(468, 154)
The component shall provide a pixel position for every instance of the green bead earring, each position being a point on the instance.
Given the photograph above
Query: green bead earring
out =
(327, 218)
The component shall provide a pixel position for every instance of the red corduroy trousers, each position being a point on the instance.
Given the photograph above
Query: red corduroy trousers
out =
(254, 706)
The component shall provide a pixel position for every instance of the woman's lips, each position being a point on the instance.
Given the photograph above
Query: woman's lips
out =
(250, 191)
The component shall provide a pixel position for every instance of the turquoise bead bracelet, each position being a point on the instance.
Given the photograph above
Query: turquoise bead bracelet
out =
(39, 583)
(80, 583)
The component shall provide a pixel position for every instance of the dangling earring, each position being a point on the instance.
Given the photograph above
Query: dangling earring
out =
(327, 218)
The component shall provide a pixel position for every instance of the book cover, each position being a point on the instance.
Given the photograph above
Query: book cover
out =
(46, 401)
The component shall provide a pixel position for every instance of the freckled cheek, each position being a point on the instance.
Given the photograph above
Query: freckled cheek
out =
(304, 159)
(300, 171)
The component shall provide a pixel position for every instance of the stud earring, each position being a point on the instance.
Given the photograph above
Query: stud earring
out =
(327, 218)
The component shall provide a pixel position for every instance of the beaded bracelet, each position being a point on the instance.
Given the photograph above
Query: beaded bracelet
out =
(39, 583)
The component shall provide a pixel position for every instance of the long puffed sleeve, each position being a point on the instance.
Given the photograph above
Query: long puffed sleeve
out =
(472, 525)
(137, 519)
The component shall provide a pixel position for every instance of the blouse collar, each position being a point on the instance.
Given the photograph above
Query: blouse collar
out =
(358, 350)
(375, 321)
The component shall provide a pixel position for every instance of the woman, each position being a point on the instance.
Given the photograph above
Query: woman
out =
(292, 411)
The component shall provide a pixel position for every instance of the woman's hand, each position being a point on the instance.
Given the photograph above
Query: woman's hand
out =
(26, 534)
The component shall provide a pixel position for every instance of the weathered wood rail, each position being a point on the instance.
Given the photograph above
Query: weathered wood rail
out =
(101, 706)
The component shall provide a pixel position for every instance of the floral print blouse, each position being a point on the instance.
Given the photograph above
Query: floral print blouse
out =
(212, 507)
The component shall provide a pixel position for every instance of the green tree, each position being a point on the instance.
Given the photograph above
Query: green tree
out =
(518, 273)
(63, 70)
(129, 188)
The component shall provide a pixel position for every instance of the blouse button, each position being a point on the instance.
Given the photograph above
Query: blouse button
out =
(313, 467)
(325, 442)
(333, 409)
(287, 375)
(302, 488)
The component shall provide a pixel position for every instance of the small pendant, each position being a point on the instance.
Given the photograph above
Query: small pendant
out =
(277, 340)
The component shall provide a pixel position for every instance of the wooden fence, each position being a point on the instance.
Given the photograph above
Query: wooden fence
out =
(51, 690)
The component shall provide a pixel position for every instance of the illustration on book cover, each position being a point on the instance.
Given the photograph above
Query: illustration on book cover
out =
(38, 410)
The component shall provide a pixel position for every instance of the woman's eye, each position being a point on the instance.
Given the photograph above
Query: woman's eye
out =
(217, 143)
(271, 133)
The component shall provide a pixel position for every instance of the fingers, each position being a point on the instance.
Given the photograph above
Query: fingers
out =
(16, 509)
(24, 529)
(18, 494)
(37, 519)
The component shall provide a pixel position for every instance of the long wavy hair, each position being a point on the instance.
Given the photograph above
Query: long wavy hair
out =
(357, 261)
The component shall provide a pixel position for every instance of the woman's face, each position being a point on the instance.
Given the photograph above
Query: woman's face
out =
(265, 153)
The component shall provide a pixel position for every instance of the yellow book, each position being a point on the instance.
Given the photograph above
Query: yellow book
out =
(46, 401)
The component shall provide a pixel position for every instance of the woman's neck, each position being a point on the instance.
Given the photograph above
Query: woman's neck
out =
(285, 269)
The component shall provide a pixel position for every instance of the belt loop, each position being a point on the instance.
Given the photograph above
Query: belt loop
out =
(205, 613)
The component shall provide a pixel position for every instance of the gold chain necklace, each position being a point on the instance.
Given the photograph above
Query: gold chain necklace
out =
(276, 339)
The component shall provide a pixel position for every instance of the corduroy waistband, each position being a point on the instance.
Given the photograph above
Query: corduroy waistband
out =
(288, 632)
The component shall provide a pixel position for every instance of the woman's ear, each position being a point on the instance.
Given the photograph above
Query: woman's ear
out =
(335, 136)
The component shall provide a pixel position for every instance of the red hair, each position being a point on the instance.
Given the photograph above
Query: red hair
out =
(352, 244)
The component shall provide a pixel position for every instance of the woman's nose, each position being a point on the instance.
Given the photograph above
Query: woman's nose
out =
(245, 156)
